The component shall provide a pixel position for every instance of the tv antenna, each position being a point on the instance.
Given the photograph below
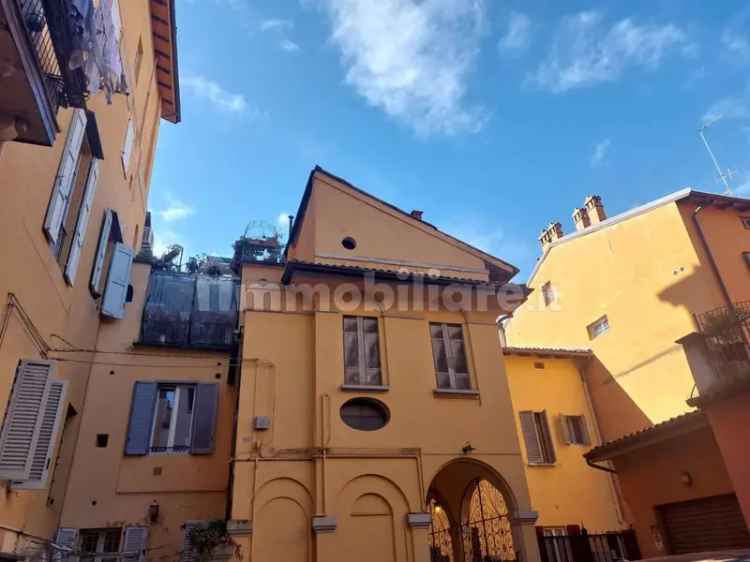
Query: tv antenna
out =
(723, 176)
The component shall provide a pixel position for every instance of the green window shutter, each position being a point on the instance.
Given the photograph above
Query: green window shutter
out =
(534, 453)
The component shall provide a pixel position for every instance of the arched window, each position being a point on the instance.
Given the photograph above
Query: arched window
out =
(441, 543)
(486, 527)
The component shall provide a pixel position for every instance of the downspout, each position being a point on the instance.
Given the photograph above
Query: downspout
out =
(711, 259)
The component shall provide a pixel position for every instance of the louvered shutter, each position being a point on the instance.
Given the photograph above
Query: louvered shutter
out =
(83, 220)
(534, 453)
(549, 448)
(23, 419)
(127, 146)
(113, 304)
(134, 544)
(188, 553)
(65, 175)
(101, 251)
(66, 538)
(563, 426)
(584, 431)
(53, 417)
(141, 418)
(204, 418)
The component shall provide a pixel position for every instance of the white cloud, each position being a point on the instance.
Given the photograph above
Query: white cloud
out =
(275, 23)
(518, 33)
(743, 189)
(737, 45)
(729, 108)
(163, 239)
(411, 58)
(283, 222)
(176, 210)
(215, 93)
(599, 155)
(289, 46)
(586, 52)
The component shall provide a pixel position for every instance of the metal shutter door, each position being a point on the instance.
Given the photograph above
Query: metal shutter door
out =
(713, 523)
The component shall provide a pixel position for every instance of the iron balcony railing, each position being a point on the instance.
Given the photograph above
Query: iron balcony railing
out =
(52, 28)
(727, 331)
(584, 547)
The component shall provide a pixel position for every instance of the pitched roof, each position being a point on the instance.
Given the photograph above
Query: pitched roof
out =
(164, 34)
(554, 352)
(658, 433)
(299, 217)
(700, 197)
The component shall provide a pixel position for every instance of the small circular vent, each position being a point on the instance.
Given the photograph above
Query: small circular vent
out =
(349, 243)
(365, 414)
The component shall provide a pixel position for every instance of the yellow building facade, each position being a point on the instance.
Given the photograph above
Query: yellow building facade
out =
(77, 146)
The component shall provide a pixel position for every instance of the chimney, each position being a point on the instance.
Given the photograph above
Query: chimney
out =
(581, 218)
(595, 207)
(417, 214)
(550, 234)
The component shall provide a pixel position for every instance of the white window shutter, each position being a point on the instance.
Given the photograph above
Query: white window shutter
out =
(23, 418)
(83, 220)
(65, 175)
(66, 538)
(116, 21)
(127, 145)
(101, 251)
(53, 417)
(113, 304)
(134, 544)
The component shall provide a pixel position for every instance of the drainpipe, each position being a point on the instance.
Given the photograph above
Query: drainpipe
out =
(711, 260)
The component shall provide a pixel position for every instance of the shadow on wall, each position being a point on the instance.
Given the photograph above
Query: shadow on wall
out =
(696, 290)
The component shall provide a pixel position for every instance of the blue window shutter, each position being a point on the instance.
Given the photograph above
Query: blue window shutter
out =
(204, 418)
(141, 418)
(113, 304)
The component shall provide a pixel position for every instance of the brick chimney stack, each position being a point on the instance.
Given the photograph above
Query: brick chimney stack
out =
(417, 214)
(595, 208)
(550, 234)
(581, 218)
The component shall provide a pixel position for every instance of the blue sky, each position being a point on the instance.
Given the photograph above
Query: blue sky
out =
(493, 117)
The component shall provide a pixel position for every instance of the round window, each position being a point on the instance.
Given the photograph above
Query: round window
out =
(365, 414)
(349, 243)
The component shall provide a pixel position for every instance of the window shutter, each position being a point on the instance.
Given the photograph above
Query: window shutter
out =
(116, 22)
(564, 427)
(533, 447)
(127, 145)
(65, 174)
(134, 543)
(83, 220)
(66, 538)
(53, 416)
(141, 418)
(23, 418)
(584, 431)
(118, 280)
(188, 553)
(101, 251)
(204, 418)
(548, 446)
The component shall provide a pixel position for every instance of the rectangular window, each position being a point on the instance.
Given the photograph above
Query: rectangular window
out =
(574, 430)
(138, 59)
(548, 293)
(449, 355)
(745, 222)
(557, 544)
(100, 545)
(173, 418)
(127, 145)
(537, 438)
(598, 327)
(361, 351)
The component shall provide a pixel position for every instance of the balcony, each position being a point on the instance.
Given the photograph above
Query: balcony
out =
(53, 53)
(190, 311)
(719, 353)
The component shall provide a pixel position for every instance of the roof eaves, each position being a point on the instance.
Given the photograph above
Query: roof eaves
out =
(555, 352)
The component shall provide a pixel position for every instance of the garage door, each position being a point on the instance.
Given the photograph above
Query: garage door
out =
(713, 523)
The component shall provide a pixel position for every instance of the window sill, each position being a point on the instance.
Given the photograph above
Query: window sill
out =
(364, 388)
(456, 393)
(543, 464)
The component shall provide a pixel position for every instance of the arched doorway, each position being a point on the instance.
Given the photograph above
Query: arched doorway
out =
(470, 507)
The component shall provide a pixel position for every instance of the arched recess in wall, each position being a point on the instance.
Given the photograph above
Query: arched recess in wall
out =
(281, 530)
(373, 511)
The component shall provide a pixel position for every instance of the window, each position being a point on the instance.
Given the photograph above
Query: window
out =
(574, 431)
(109, 235)
(536, 436)
(365, 414)
(173, 418)
(72, 197)
(127, 145)
(598, 327)
(138, 59)
(100, 545)
(548, 293)
(557, 544)
(449, 356)
(745, 222)
(32, 425)
(361, 351)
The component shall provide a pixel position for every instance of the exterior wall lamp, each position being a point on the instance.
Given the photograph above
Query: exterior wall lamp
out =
(153, 511)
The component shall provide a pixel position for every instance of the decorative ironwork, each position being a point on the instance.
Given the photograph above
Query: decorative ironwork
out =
(486, 533)
(726, 331)
(441, 542)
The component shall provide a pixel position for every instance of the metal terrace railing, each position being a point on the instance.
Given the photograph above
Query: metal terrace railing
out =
(727, 332)
(585, 547)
